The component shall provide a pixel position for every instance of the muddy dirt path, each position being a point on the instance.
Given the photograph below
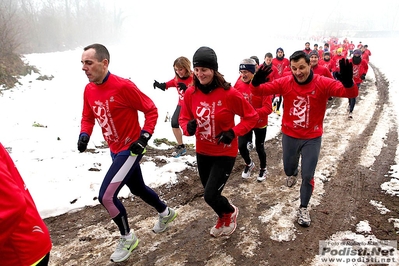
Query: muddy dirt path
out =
(348, 176)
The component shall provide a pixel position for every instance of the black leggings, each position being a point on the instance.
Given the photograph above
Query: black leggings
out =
(352, 101)
(260, 136)
(175, 118)
(214, 171)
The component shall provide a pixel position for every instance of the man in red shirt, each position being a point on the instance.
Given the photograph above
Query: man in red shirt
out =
(24, 237)
(326, 60)
(115, 102)
(305, 102)
(307, 48)
(316, 68)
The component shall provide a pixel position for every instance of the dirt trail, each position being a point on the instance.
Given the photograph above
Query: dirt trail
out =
(348, 176)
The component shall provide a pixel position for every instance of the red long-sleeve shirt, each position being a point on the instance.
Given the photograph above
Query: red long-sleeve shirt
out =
(359, 70)
(322, 71)
(24, 237)
(115, 105)
(305, 105)
(174, 83)
(335, 62)
(262, 104)
(214, 113)
(281, 64)
(326, 64)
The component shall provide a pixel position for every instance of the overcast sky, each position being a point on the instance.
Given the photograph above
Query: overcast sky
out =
(257, 19)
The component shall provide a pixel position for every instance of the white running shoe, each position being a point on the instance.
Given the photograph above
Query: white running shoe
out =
(124, 248)
(247, 170)
(163, 222)
(262, 175)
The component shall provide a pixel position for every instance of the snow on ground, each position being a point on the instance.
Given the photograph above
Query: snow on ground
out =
(41, 122)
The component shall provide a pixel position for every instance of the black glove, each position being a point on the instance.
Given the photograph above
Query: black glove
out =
(138, 146)
(363, 77)
(261, 75)
(83, 141)
(192, 127)
(226, 136)
(345, 74)
(161, 86)
(182, 86)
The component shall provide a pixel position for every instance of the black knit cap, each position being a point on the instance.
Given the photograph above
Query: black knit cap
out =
(314, 53)
(205, 57)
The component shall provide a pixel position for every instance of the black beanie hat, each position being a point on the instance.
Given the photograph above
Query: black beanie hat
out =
(205, 57)
(314, 52)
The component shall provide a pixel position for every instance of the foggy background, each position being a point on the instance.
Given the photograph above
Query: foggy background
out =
(37, 26)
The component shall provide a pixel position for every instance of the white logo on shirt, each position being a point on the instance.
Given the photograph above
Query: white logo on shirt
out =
(104, 118)
(204, 113)
(299, 109)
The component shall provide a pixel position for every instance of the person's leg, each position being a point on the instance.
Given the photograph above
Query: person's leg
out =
(175, 126)
(274, 103)
(118, 174)
(114, 180)
(214, 173)
(139, 188)
(242, 146)
(310, 155)
(219, 169)
(244, 152)
(280, 99)
(291, 154)
(204, 165)
(260, 137)
(352, 102)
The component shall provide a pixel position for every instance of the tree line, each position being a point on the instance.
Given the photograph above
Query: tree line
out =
(36, 26)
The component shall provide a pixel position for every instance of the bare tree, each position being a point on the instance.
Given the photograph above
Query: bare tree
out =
(10, 28)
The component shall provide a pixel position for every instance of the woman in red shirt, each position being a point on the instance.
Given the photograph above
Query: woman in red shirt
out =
(208, 112)
(183, 79)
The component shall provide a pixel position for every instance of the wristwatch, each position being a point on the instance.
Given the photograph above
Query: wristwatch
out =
(146, 135)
